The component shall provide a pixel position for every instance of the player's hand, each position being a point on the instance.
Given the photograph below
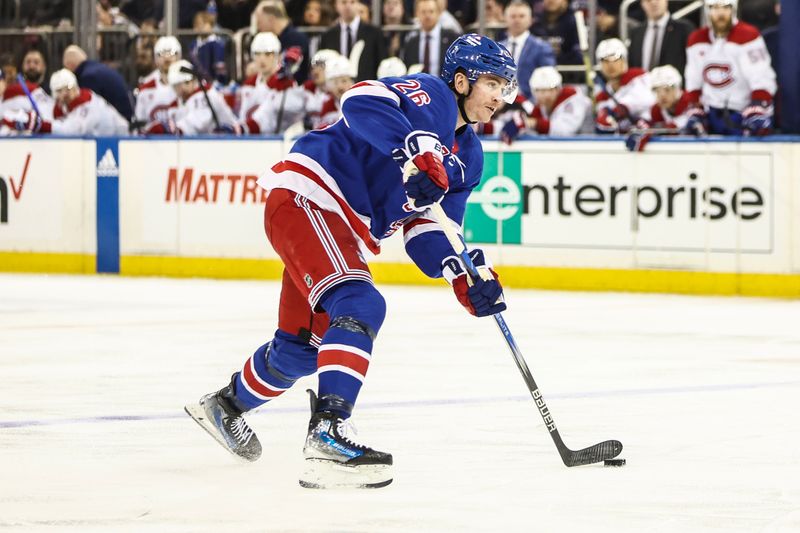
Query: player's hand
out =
(482, 296)
(696, 125)
(635, 142)
(605, 122)
(757, 118)
(28, 122)
(425, 182)
(290, 61)
(512, 129)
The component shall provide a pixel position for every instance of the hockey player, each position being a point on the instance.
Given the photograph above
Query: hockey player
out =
(392, 67)
(265, 49)
(728, 70)
(315, 87)
(335, 196)
(339, 75)
(559, 111)
(155, 95)
(674, 109)
(191, 114)
(13, 100)
(624, 94)
(77, 112)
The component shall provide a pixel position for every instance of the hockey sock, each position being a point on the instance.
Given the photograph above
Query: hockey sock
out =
(357, 311)
(274, 368)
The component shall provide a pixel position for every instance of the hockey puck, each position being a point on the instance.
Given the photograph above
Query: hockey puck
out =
(614, 462)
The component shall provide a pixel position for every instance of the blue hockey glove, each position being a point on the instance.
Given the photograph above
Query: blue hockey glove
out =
(757, 118)
(696, 125)
(513, 128)
(429, 183)
(482, 296)
(635, 142)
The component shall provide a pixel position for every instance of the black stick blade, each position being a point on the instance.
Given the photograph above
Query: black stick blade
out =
(593, 454)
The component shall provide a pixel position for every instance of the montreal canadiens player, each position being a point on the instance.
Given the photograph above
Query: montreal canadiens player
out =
(77, 111)
(155, 95)
(336, 195)
(729, 71)
(624, 95)
(558, 111)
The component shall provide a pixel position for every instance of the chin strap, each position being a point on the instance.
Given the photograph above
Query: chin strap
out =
(461, 98)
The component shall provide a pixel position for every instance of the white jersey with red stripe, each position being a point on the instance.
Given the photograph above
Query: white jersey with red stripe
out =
(329, 112)
(14, 99)
(674, 118)
(193, 116)
(348, 168)
(568, 116)
(251, 94)
(283, 103)
(87, 114)
(634, 93)
(315, 97)
(729, 72)
(154, 98)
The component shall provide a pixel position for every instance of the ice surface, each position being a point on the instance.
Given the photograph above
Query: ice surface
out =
(703, 393)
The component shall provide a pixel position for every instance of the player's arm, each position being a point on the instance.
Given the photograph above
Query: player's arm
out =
(756, 68)
(693, 74)
(571, 117)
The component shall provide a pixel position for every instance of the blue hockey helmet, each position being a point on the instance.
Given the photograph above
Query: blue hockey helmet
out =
(476, 55)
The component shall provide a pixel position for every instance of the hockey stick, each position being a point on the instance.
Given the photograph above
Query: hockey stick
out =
(193, 72)
(593, 454)
(21, 81)
(583, 41)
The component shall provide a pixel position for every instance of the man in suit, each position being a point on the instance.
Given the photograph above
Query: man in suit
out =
(529, 52)
(661, 40)
(427, 45)
(350, 29)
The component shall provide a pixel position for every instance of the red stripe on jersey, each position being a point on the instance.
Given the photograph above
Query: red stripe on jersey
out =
(630, 75)
(256, 385)
(699, 36)
(743, 33)
(83, 97)
(342, 358)
(761, 95)
(416, 222)
(355, 223)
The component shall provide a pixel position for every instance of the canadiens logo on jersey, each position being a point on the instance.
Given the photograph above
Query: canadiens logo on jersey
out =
(718, 74)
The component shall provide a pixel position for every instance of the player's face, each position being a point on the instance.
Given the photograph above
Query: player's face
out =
(518, 19)
(339, 85)
(667, 97)
(486, 98)
(33, 66)
(613, 68)
(318, 75)
(185, 89)
(721, 18)
(163, 61)
(266, 62)
(65, 95)
(546, 97)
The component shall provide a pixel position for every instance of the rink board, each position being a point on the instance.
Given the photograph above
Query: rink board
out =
(695, 217)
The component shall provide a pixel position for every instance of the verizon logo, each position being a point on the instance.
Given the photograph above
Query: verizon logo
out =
(189, 187)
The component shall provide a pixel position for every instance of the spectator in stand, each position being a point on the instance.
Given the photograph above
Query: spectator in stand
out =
(52, 13)
(661, 40)
(608, 19)
(192, 115)
(464, 11)
(187, 9)
(558, 28)
(728, 71)
(494, 12)
(78, 111)
(447, 20)
(208, 49)
(348, 31)
(271, 17)
(529, 52)
(139, 11)
(623, 94)
(559, 111)
(34, 68)
(155, 96)
(317, 14)
(99, 78)
(8, 64)
(394, 13)
(235, 14)
(363, 10)
(428, 44)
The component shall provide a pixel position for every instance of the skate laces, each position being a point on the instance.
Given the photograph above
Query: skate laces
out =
(344, 427)
(241, 430)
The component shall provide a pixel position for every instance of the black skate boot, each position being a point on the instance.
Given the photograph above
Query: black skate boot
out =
(334, 461)
(219, 414)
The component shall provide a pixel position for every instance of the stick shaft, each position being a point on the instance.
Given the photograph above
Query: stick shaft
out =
(21, 81)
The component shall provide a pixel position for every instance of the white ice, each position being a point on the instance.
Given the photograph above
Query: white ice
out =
(703, 392)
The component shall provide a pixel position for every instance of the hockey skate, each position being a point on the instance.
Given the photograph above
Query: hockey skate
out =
(223, 420)
(334, 461)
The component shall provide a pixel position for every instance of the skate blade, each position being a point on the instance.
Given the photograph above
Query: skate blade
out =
(198, 414)
(324, 474)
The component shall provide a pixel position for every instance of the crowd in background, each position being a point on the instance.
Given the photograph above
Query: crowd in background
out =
(267, 66)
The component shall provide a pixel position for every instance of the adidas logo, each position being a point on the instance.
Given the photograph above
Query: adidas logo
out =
(107, 166)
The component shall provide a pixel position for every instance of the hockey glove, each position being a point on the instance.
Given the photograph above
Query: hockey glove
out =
(605, 122)
(482, 296)
(757, 118)
(21, 121)
(635, 142)
(696, 125)
(429, 183)
(290, 62)
(513, 128)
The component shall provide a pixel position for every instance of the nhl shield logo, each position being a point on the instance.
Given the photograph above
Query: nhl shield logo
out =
(308, 280)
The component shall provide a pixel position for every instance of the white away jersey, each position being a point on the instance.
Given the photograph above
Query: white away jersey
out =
(88, 114)
(729, 72)
(568, 117)
(193, 117)
(634, 93)
(153, 99)
(14, 99)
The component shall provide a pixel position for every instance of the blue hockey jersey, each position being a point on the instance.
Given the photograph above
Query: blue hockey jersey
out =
(348, 167)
